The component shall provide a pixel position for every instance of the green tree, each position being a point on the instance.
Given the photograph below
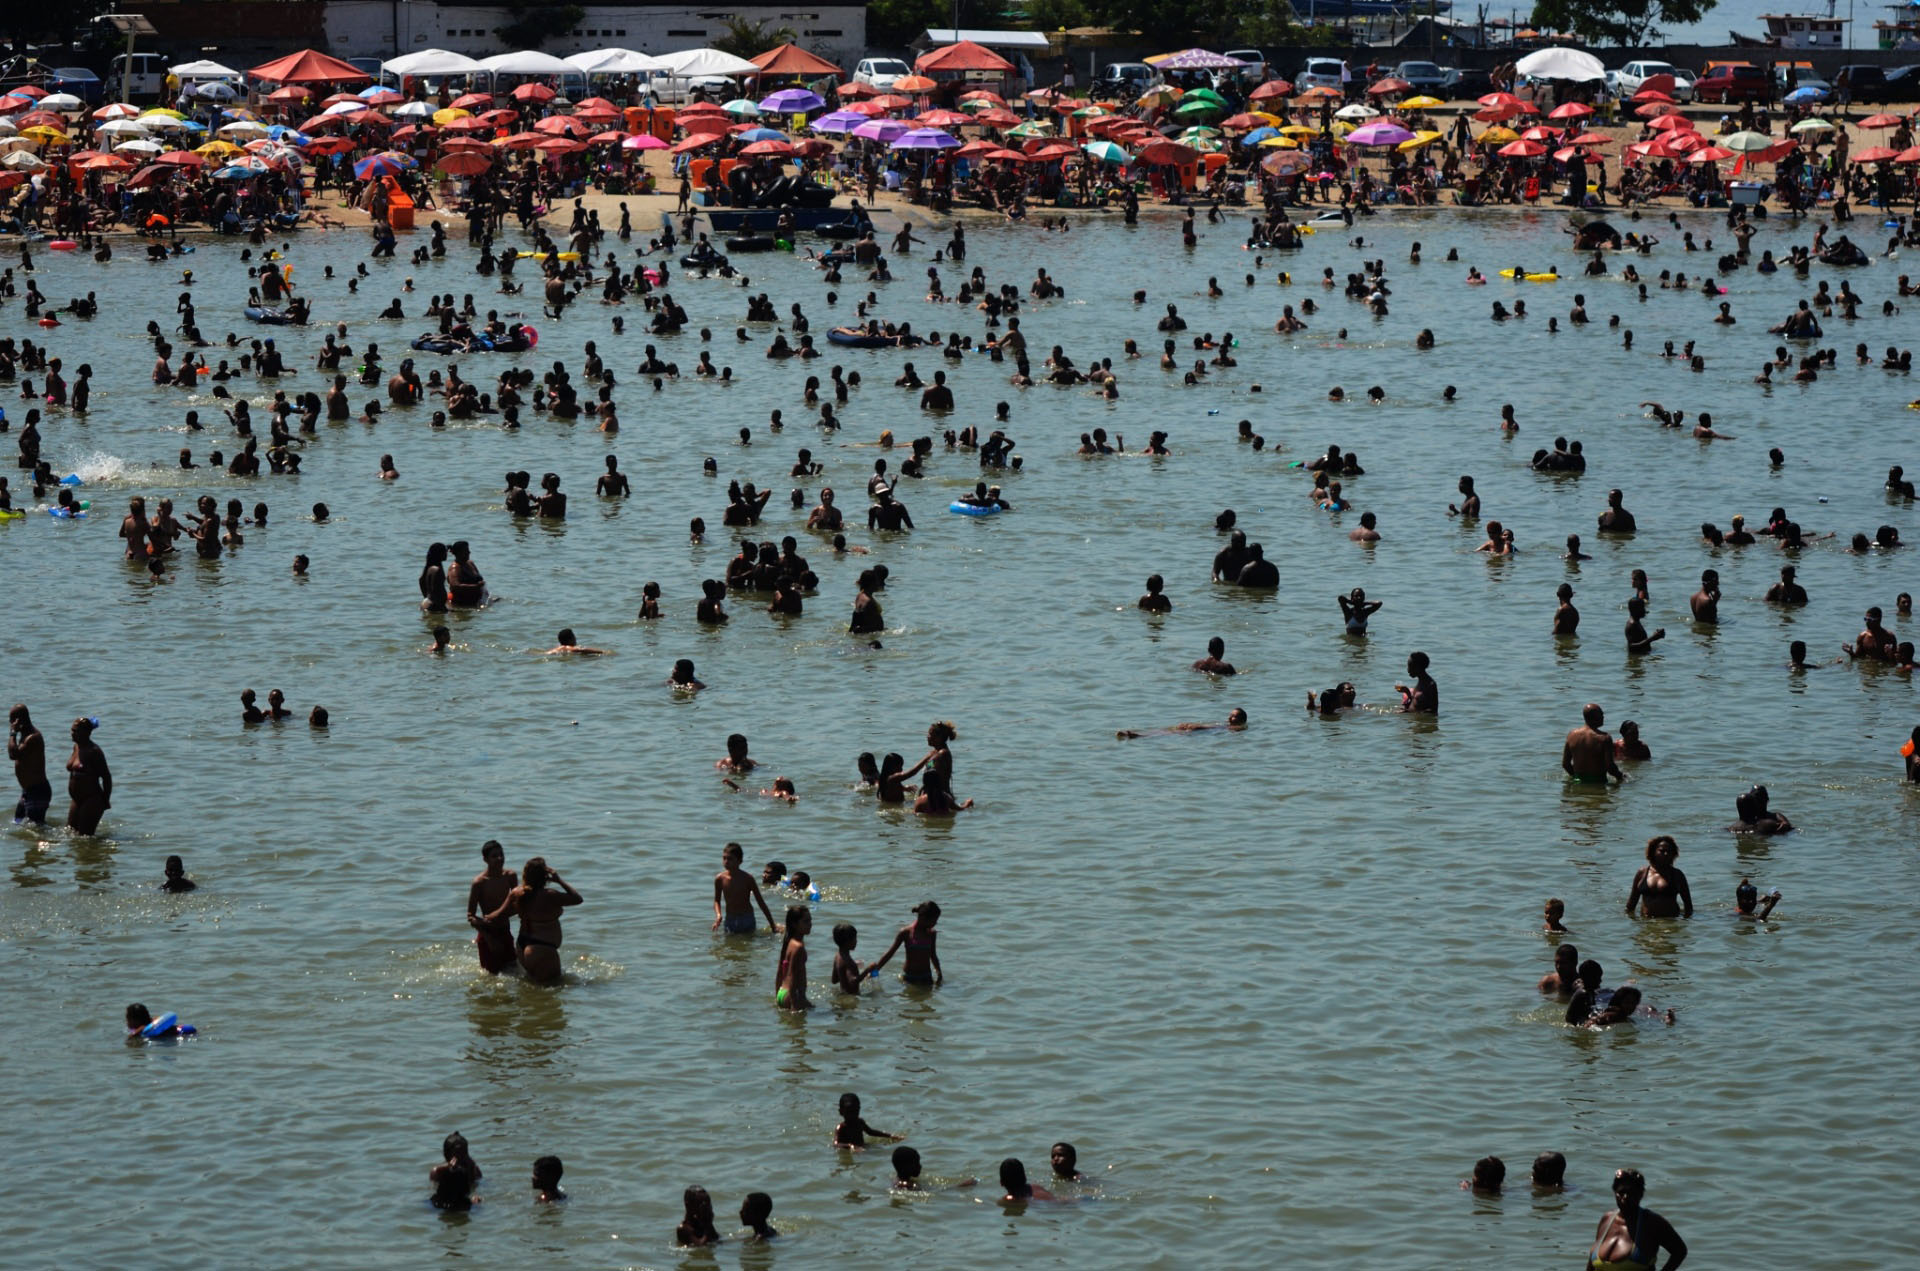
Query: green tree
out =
(1617, 23)
(535, 22)
(897, 23)
(744, 38)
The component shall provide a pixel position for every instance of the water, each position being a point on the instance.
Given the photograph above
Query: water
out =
(1276, 986)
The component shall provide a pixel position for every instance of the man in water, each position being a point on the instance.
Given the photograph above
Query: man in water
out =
(1588, 753)
(28, 750)
(734, 888)
(492, 940)
(1424, 697)
(567, 643)
(1236, 721)
(1215, 662)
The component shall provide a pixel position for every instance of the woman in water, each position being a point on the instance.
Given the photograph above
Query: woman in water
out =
(1013, 1178)
(1630, 1238)
(1356, 609)
(697, 1227)
(1755, 817)
(433, 580)
(1659, 887)
(790, 980)
(89, 781)
(921, 943)
(538, 944)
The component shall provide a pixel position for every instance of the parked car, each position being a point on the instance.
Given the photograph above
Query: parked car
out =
(1903, 84)
(369, 66)
(1733, 82)
(79, 81)
(1468, 84)
(1256, 71)
(1683, 81)
(1861, 83)
(672, 90)
(880, 72)
(137, 77)
(1626, 81)
(1320, 72)
(1123, 80)
(1804, 79)
(1424, 76)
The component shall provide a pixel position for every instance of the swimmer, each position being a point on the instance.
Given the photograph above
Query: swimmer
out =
(566, 644)
(493, 941)
(1355, 609)
(682, 678)
(1155, 601)
(1566, 618)
(1236, 721)
(1214, 663)
(1556, 912)
(734, 895)
(1659, 887)
(1749, 903)
(1587, 755)
(853, 1130)
(920, 942)
(754, 1212)
(696, 1230)
(1755, 818)
(547, 1171)
(790, 979)
(1013, 1179)
(27, 748)
(1629, 745)
(846, 968)
(538, 942)
(1423, 698)
(176, 879)
(1631, 1238)
(737, 760)
(1564, 979)
(1488, 1173)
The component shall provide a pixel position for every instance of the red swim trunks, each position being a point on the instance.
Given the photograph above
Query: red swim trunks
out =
(495, 949)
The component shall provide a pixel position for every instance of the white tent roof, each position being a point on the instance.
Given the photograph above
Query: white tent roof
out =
(1561, 64)
(432, 62)
(616, 62)
(689, 63)
(204, 69)
(527, 62)
(937, 36)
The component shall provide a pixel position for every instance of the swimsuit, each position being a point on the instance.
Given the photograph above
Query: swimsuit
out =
(1632, 1262)
(738, 924)
(34, 801)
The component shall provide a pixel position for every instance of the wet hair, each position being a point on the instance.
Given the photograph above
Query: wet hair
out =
(849, 1105)
(1013, 1177)
(756, 1209)
(1659, 841)
(942, 732)
(927, 909)
(534, 873)
(1631, 1181)
(138, 1016)
(548, 1169)
(454, 1147)
(1549, 1168)
(1489, 1172)
(844, 935)
(906, 1163)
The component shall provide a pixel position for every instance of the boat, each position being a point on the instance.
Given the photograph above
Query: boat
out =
(833, 222)
(1798, 31)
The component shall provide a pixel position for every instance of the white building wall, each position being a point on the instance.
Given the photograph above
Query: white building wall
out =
(388, 28)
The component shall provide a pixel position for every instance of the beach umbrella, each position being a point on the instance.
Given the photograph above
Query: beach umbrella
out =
(1036, 128)
(107, 163)
(42, 119)
(139, 146)
(1171, 152)
(1714, 154)
(23, 161)
(28, 90)
(792, 101)
(247, 128)
(217, 150)
(1678, 142)
(1379, 134)
(380, 95)
(610, 138)
(885, 131)
(1420, 140)
(1299, 130)
(1282, 142)
(998, 117)
(974, 149)
(216, 91)
(1052, 151)
(595, 106)
(1257, 136)
(528, 140)
(121, 128)
(926, 139)
(943, 119)
(182, 159)
(1571, 110)
(1812, 125)
(1357, 111)
(1496, 114)
(1422, 102)
(761, 134)
(892, 101)
(498, 118)
(1249, 120)
(812, 147)
(1653, 95)
(1542, 134)
(1806, 94)
(854, 90)
(61, 102)
(1004, 156)
(914, 84)
(988, 96)
(1159, 95)
(561, 126)
(1653, 110)
(471, 101)
(8, 128)
(535, 92)
(13, 102)
(759, 149)
(445, 116)
(1874, 154)
(1910, 155)
(291, 93)
(1193, 106)
(1870, 122)
(1272, 90)
(1107, 152)
(1097, 111)
(743, 108)
(46, 136)
(643, 141)
(116, 110)
(839, 121)
(379, 165)
(1496, 137)
(559, 145)
(1522, 149)
(1387, 87)
(464, 163)
(1286, 162)
(1591, 139)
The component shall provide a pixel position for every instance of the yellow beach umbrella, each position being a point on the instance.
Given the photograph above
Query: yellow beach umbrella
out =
(218, 149)
(162, 110)
(1159, 96)
(44, 135)
(451, 113)
(1279, 143)
(1419, 141)
(1497, 136)
(1422, 102)
(1299, 130)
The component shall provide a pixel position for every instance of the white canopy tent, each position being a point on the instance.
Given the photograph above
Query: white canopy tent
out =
(204, 69)
(527, 62)
(1557, 63)
(616, 62)
(693, 63)
(432, 62)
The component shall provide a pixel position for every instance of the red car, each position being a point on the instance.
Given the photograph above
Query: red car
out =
(1732, 82)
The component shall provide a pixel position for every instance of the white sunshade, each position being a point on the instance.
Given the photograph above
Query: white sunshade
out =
(1560, 63)
(432, 62)
(139, 145)
(412, 110)
(122, 128)
(204, 69)
(59, 101)
(616, 62)
(689, 63)
(527, 62)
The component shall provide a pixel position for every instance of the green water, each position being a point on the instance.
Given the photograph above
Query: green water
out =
(1276, 986)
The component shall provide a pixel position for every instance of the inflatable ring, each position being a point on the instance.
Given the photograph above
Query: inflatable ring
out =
(167, 1026)
(751, 243)
(859, 339)
(971, 509)
(715, 261)
(73, 513)
(63, 245)
(1508, 273)
(11, 514)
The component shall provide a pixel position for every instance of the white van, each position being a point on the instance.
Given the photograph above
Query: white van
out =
(137, 77)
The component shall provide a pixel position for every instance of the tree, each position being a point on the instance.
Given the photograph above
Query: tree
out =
(744, 38)
(1617, 23)
(537, 21)
(897, 23)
